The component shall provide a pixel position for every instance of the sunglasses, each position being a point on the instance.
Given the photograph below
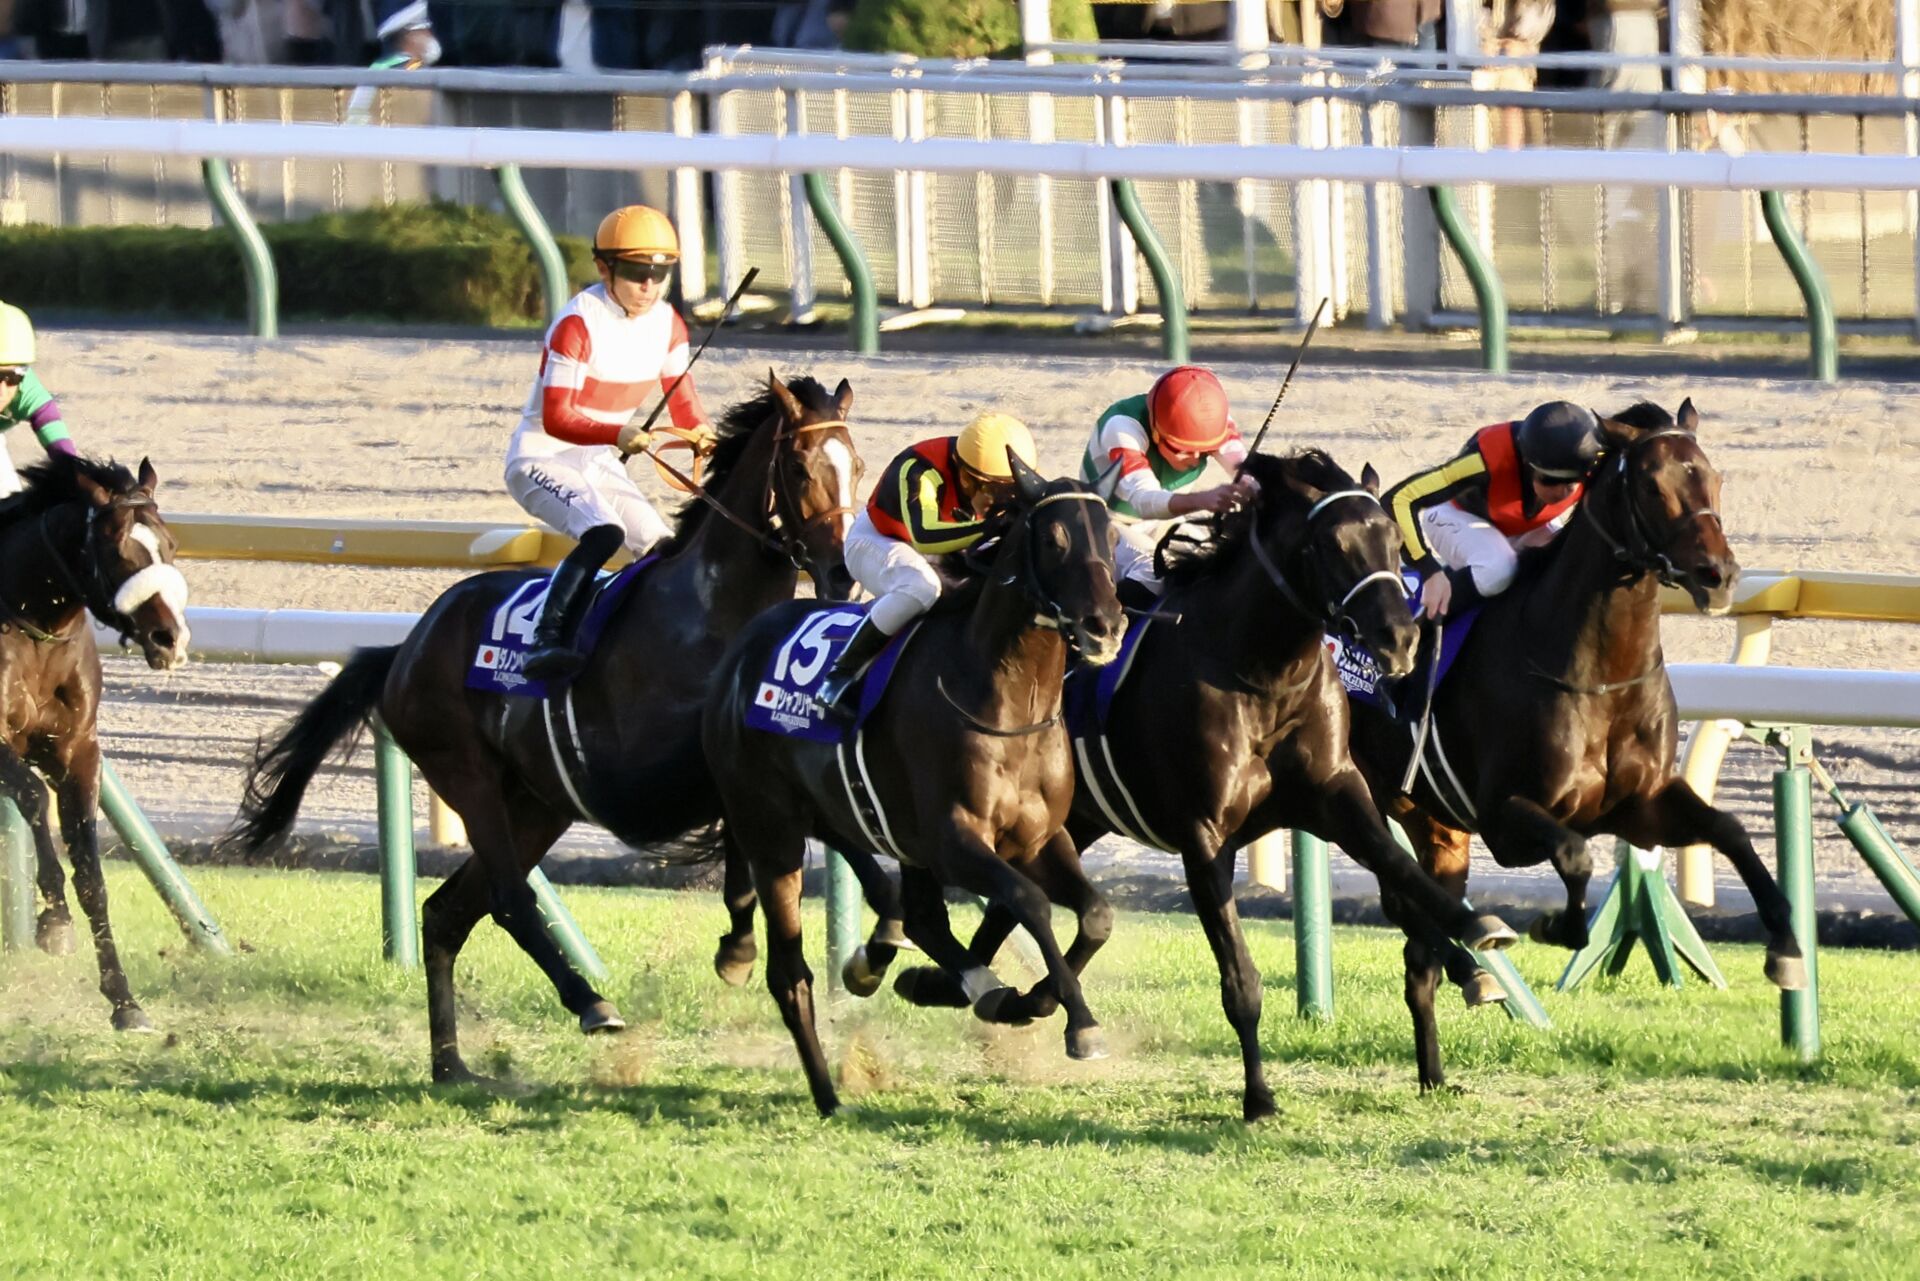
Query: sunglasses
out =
(12, 377)
(636, 272)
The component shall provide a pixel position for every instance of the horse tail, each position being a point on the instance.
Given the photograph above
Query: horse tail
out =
(277, 781)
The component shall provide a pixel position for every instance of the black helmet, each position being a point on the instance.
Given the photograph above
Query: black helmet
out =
(1560, 440)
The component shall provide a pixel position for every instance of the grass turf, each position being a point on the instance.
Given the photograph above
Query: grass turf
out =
(283, 1126)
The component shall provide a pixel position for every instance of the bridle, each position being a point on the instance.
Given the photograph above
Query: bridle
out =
(1332, 613)
(785, 534)
(1638, 552)
(93, 591)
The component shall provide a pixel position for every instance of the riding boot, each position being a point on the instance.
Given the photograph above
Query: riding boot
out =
(553, 656)
(1137, 596)
(836, 690)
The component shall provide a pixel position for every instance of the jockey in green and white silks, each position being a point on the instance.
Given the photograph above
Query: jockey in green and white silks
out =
(1164, 441)
(22, 397)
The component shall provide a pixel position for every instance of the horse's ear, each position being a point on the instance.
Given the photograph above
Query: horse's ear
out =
(148, 477)
(1370, 480)
(1028, 483)
(1688, 419)
(1108, 481)
(789, 403)
(842, 399)
(96, 493)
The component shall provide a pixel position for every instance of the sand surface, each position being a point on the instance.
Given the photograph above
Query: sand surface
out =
(1816, 478)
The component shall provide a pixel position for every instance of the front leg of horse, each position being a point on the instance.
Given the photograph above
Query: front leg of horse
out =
(517, 912)
(1210, 881)
(1060, 876)
(867, 967)
(733, 959)
(53, 932)
(959, 976)
(1676, 816)
(79, 797)
(1520, 833)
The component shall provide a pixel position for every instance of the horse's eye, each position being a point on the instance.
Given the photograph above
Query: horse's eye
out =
(1058, 536)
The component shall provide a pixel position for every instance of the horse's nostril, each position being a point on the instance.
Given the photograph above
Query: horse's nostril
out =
(163, 638)
(1710, 577)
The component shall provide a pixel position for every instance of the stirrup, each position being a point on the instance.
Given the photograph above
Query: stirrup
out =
(840, 707)
(553, 662)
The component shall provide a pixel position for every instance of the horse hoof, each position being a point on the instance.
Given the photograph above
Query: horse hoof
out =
(1788, 973)
(891, 934)
(456, 1072)
(931, 988)
(1489, 934)
(733, 962)
(1540, 929)
(1482, 989)
(1086, 1043)
(54, 935)
(857, 977)
(992, 1006)
(601, 1017)
(131, 1018)
(1258, 1107)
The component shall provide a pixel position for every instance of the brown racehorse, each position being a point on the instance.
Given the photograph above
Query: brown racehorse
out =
(620, 747)
(1232, 723)
(1557, 722)
(83, 536)
(970, 768)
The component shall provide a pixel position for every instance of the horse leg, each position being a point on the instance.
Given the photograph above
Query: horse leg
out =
(53, 933)
(79, 799)
(867, 966)
(446, 920)
(777, 857)
(1210, 882)
(1676, 816)
(733, 959)
(1444, 853)
(1519, 833)
(1058, 873)
(959, 975)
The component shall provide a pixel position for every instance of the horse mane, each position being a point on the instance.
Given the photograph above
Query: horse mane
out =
(736, 430)
(1646, 416)
(1189, 562)
(55, 481)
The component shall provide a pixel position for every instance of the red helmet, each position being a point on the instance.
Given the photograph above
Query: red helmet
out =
(1187, 410)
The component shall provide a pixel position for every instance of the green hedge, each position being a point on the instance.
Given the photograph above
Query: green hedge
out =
(438, 263)
(957, 28)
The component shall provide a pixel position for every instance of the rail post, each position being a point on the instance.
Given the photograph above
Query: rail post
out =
(263, 284)
(546, 251)
(564, 930)
(150, 853)
(399, 916)
(1166, 279)
(1488, 294)
(1312, 927)
(17, 897)
(1793, 842)
(1822, 336)
(1640, 907)
(866, 303)
(1707, 749)
(843, 914)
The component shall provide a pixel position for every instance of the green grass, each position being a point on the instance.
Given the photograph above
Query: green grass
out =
(283, 1126)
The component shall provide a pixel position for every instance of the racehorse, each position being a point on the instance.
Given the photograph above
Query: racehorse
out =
(620, 746)
(1231, 723)
(83, 535)
(968, 769)
(1557, 722)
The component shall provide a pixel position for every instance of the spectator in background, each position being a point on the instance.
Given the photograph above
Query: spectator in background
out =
(1387, 24)
(113, 30)
(407, 43)
(810, 24)
(11, 44)
(261, 32)
(1626, 27)
(1513, 29)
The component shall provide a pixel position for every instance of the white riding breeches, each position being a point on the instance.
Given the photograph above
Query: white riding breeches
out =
(901, 577)
(582, 488)
(9, 478)
(1133, 550)
(1463, 540)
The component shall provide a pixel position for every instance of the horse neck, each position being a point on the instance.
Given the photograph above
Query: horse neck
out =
(734, 573)
(1598, 623)
(1241, 621)
(1010, 657)
(29, 587)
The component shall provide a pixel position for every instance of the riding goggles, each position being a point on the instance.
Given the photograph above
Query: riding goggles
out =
(12, 375)
(636, 272)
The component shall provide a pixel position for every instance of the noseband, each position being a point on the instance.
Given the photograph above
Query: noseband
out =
(1637, 551)
(1329, 612)
(94, 591)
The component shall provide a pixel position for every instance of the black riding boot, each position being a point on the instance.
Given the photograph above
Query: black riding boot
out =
(836, 691)
(553, 656)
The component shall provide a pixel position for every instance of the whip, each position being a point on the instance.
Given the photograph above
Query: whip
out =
(1288, 380)
(720, 320)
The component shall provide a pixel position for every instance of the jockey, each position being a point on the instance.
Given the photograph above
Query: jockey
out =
(1514, 485)
(616, 346)
(1163, 442)
(22, 398)
(929, 501)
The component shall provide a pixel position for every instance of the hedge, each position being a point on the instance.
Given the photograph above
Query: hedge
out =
(437, 263)
(957, 28)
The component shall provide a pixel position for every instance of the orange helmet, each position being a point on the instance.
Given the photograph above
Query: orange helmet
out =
(637, 233)
(1187, 410)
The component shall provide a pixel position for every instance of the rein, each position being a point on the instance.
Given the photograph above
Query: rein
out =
(786, 545)
(974, 722)
(98, 600)
(1329, 612)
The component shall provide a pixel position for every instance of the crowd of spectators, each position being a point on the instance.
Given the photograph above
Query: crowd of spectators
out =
(670, 34)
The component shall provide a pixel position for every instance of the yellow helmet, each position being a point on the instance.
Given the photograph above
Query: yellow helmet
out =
(637, 232)
(985, 442)
(16, 336)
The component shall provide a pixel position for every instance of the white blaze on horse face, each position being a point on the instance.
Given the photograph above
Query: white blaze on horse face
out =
(840, 458)
(144, 535)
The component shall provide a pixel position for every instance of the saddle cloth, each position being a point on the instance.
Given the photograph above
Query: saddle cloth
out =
(1361, 675)
(785, 702)
(502, 653)
(1087, 702)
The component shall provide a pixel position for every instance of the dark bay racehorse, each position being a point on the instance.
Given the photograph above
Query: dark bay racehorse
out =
(83, 536)
(1557, 722)
(1232, 722)
(620, 746)
(969, 763)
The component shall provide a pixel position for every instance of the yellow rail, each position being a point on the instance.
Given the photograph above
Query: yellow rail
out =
(1866, 598)
(324, 540)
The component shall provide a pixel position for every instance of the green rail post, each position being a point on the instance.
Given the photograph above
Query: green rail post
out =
(1884, 857)
(150, 852)
(546, 251)
(1822, 336)
(1793, 840)
(1491, 298)
(1641, 907)
(399, 915)
(843, 914)
(1312, 927)
(564, 930)
(866, 302)
(263, 285)
(17, 890)
(1166, 280)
